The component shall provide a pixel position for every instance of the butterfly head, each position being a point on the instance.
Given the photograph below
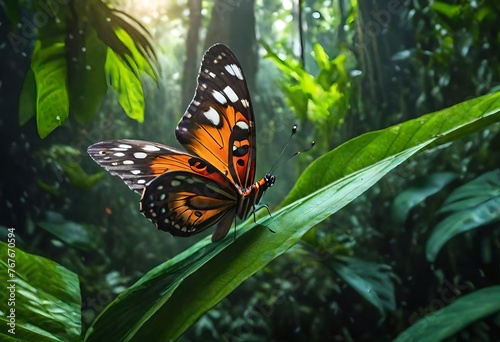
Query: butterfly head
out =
(270, 179)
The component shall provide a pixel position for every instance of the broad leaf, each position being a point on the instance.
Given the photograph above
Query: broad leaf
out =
(443, 126)
(444, 323)
(179, 291)
(370, 280)
(47, 298)
(470, 206)
(48, 64)
(417, 192)
(127, 37)
(200, 277)
(127, 85)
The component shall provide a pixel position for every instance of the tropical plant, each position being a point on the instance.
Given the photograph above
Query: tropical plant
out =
(80, 48)
(200, 277)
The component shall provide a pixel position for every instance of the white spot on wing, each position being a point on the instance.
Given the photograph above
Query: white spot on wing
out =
(219, 97)
(230, 94)
(119, 154)
(243, 125)
(234, 70)
(150, 148)
(140, 155)
(245, 103)
(135, 172)
(124, 146)
(141, 181)
(128, 162)
(212, 115)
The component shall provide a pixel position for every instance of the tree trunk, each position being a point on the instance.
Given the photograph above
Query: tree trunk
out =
(192, 57)
(233, 24)
(380, 35)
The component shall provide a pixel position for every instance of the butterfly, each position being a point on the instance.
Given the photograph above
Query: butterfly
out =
(185, 193)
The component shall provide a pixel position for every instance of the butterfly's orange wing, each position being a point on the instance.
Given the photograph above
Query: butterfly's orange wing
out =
(185, 203)
(181, 193)
(138, 162)
(219, 123)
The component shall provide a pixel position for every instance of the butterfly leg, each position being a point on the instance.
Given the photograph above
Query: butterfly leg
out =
(255, 208)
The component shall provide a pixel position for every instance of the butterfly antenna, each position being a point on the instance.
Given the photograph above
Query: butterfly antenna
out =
(303, 151)
(294, 130)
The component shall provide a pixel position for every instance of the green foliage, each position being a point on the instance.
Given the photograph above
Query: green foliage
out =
(200, 277)
(84, 45)
(470, 206)
(128, 87)
(446, 322)
(370, 280)
(425, 57)
(322, 99)
(85, 237)
(49, 68)
(47, 298)
(417, 192)
(435, 128)
(66, 160)
(451, 11)
(204, 274)
(86, 74)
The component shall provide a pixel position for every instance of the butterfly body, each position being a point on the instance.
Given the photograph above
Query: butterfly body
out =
(213, 182)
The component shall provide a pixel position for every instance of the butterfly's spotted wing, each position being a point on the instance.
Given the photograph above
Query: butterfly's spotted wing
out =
(219, 123)
(188, 203)
(137, 162)
(185, 193)
(181, 193)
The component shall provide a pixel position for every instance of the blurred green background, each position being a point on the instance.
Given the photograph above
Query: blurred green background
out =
(75, 73)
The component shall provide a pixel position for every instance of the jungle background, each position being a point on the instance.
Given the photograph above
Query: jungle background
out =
(337, 69)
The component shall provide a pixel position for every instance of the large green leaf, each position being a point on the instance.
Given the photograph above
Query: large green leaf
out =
(444, 323)
(200, 277)
(470, 206)
(443, 126)
(417, 192)
(171, 297)
(47, 298)
(127, 85)
(126, 36)
(48, 64)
